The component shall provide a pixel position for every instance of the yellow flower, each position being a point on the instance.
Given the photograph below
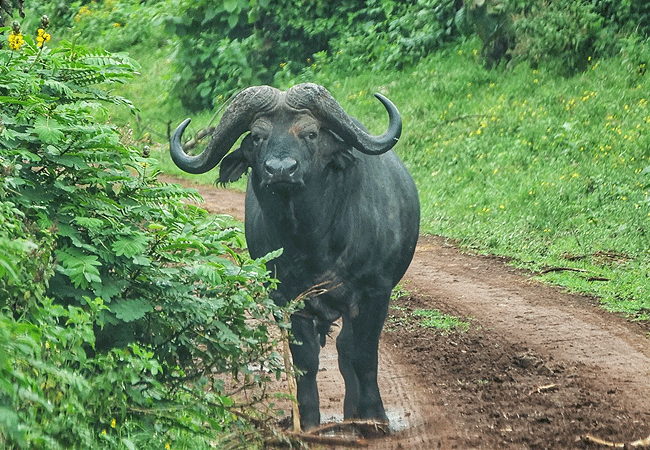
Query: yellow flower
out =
(113, 423)
(116, 25)
(167, 446)
(15, 40)
(84, 11)
(42, 37)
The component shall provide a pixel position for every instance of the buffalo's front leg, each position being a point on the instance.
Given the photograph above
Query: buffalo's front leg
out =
(345, 350)
(305, 350)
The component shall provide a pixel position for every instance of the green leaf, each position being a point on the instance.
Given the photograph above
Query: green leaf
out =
(10, 423)
(89, 222)
(111, 288)
(233, 20)
(48, 130)
(130, 310)
(81, 268)
(226, 333)
(230, 5)
(130, 245)
(128, 443)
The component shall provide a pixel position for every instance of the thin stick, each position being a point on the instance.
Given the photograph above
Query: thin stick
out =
(197, 137)
(208, 130)
(540, 389)
(349, 422)
(331, 440)
(562, 269)
(594, 440)
(290, 378)
(459, 118)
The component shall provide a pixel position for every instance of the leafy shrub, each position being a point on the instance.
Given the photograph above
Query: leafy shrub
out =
(226, 47)
(53, 396)
(121, 305)
(493, 24)
(393, 37)
(111, 24)
(626, 17)
(217, 51)
(561, 34)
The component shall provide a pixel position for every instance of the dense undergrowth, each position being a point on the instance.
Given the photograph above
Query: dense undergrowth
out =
(546, 166)
(128, 318)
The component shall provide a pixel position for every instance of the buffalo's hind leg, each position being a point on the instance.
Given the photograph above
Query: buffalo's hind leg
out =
(305, 351)
(358, 360)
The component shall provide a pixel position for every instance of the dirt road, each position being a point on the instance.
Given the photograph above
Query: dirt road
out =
(538, 368)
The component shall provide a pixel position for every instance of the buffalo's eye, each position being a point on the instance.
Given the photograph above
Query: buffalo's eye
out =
(257, 138)
(309, 133)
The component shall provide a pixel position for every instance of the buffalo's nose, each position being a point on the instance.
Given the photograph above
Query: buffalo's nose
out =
(284, 166)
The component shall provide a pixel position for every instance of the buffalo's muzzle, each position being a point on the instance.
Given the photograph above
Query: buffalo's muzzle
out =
(282, 174)
(281, 169)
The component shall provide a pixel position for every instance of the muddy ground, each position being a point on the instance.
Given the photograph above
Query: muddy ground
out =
(538, 368)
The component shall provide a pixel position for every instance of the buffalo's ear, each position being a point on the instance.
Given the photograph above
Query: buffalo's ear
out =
(338, 152)
(236, 163)
(233, 166)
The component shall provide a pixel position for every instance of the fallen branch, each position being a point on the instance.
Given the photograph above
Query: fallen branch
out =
(348, 441)
(379, 426)
(597, 279)
(562, 269)
(459, 118)
(541, 389)
(594, 440)
(197, 138)
(313, 436)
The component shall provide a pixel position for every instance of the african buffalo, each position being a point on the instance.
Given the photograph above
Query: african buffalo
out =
(341, 205)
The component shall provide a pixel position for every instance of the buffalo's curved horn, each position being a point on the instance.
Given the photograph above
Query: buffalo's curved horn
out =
(236, 120)
(318, 100)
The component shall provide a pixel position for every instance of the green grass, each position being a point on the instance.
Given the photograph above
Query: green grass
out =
(425, 318)
(431, 318)
(550, 171)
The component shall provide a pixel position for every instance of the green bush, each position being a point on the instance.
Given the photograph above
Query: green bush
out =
(564, 35)
(493, 24)
(123, 309)
(393, 36)
(226, 47)
(626, 16)
(115, 25)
